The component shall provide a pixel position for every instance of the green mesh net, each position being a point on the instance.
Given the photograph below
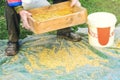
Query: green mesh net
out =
(45, 57)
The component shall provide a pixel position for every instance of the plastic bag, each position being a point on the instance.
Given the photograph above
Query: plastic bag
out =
(30, 4)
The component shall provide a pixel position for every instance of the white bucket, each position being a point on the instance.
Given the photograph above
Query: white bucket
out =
(101, 27)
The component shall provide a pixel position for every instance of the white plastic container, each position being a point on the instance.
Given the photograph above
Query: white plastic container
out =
(101, 27)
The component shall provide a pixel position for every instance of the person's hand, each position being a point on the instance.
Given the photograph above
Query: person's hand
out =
(24, 16)
(75, 3)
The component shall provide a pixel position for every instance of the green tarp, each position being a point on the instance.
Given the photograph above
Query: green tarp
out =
(45, 57)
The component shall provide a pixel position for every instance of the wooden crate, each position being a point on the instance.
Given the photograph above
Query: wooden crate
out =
(56, 16)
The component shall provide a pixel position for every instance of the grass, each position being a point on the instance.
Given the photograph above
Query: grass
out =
(111, 6)
(92, 6)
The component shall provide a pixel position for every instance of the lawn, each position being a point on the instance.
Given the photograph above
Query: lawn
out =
(111, 6)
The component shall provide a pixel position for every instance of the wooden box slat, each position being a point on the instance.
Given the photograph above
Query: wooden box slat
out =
(78, 16)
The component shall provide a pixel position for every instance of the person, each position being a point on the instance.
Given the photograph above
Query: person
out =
(15, 11)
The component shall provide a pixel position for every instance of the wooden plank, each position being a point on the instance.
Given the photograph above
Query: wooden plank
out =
(56, 16)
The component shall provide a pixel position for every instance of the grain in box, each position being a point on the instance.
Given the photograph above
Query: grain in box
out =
(56, 16)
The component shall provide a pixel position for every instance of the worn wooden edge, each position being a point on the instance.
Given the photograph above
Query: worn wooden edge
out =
(38, 30)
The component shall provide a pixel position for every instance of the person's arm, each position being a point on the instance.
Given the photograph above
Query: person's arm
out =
(17, 5)
(75, 3)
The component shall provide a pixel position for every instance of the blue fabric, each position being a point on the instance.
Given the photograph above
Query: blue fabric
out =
(14, 4)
